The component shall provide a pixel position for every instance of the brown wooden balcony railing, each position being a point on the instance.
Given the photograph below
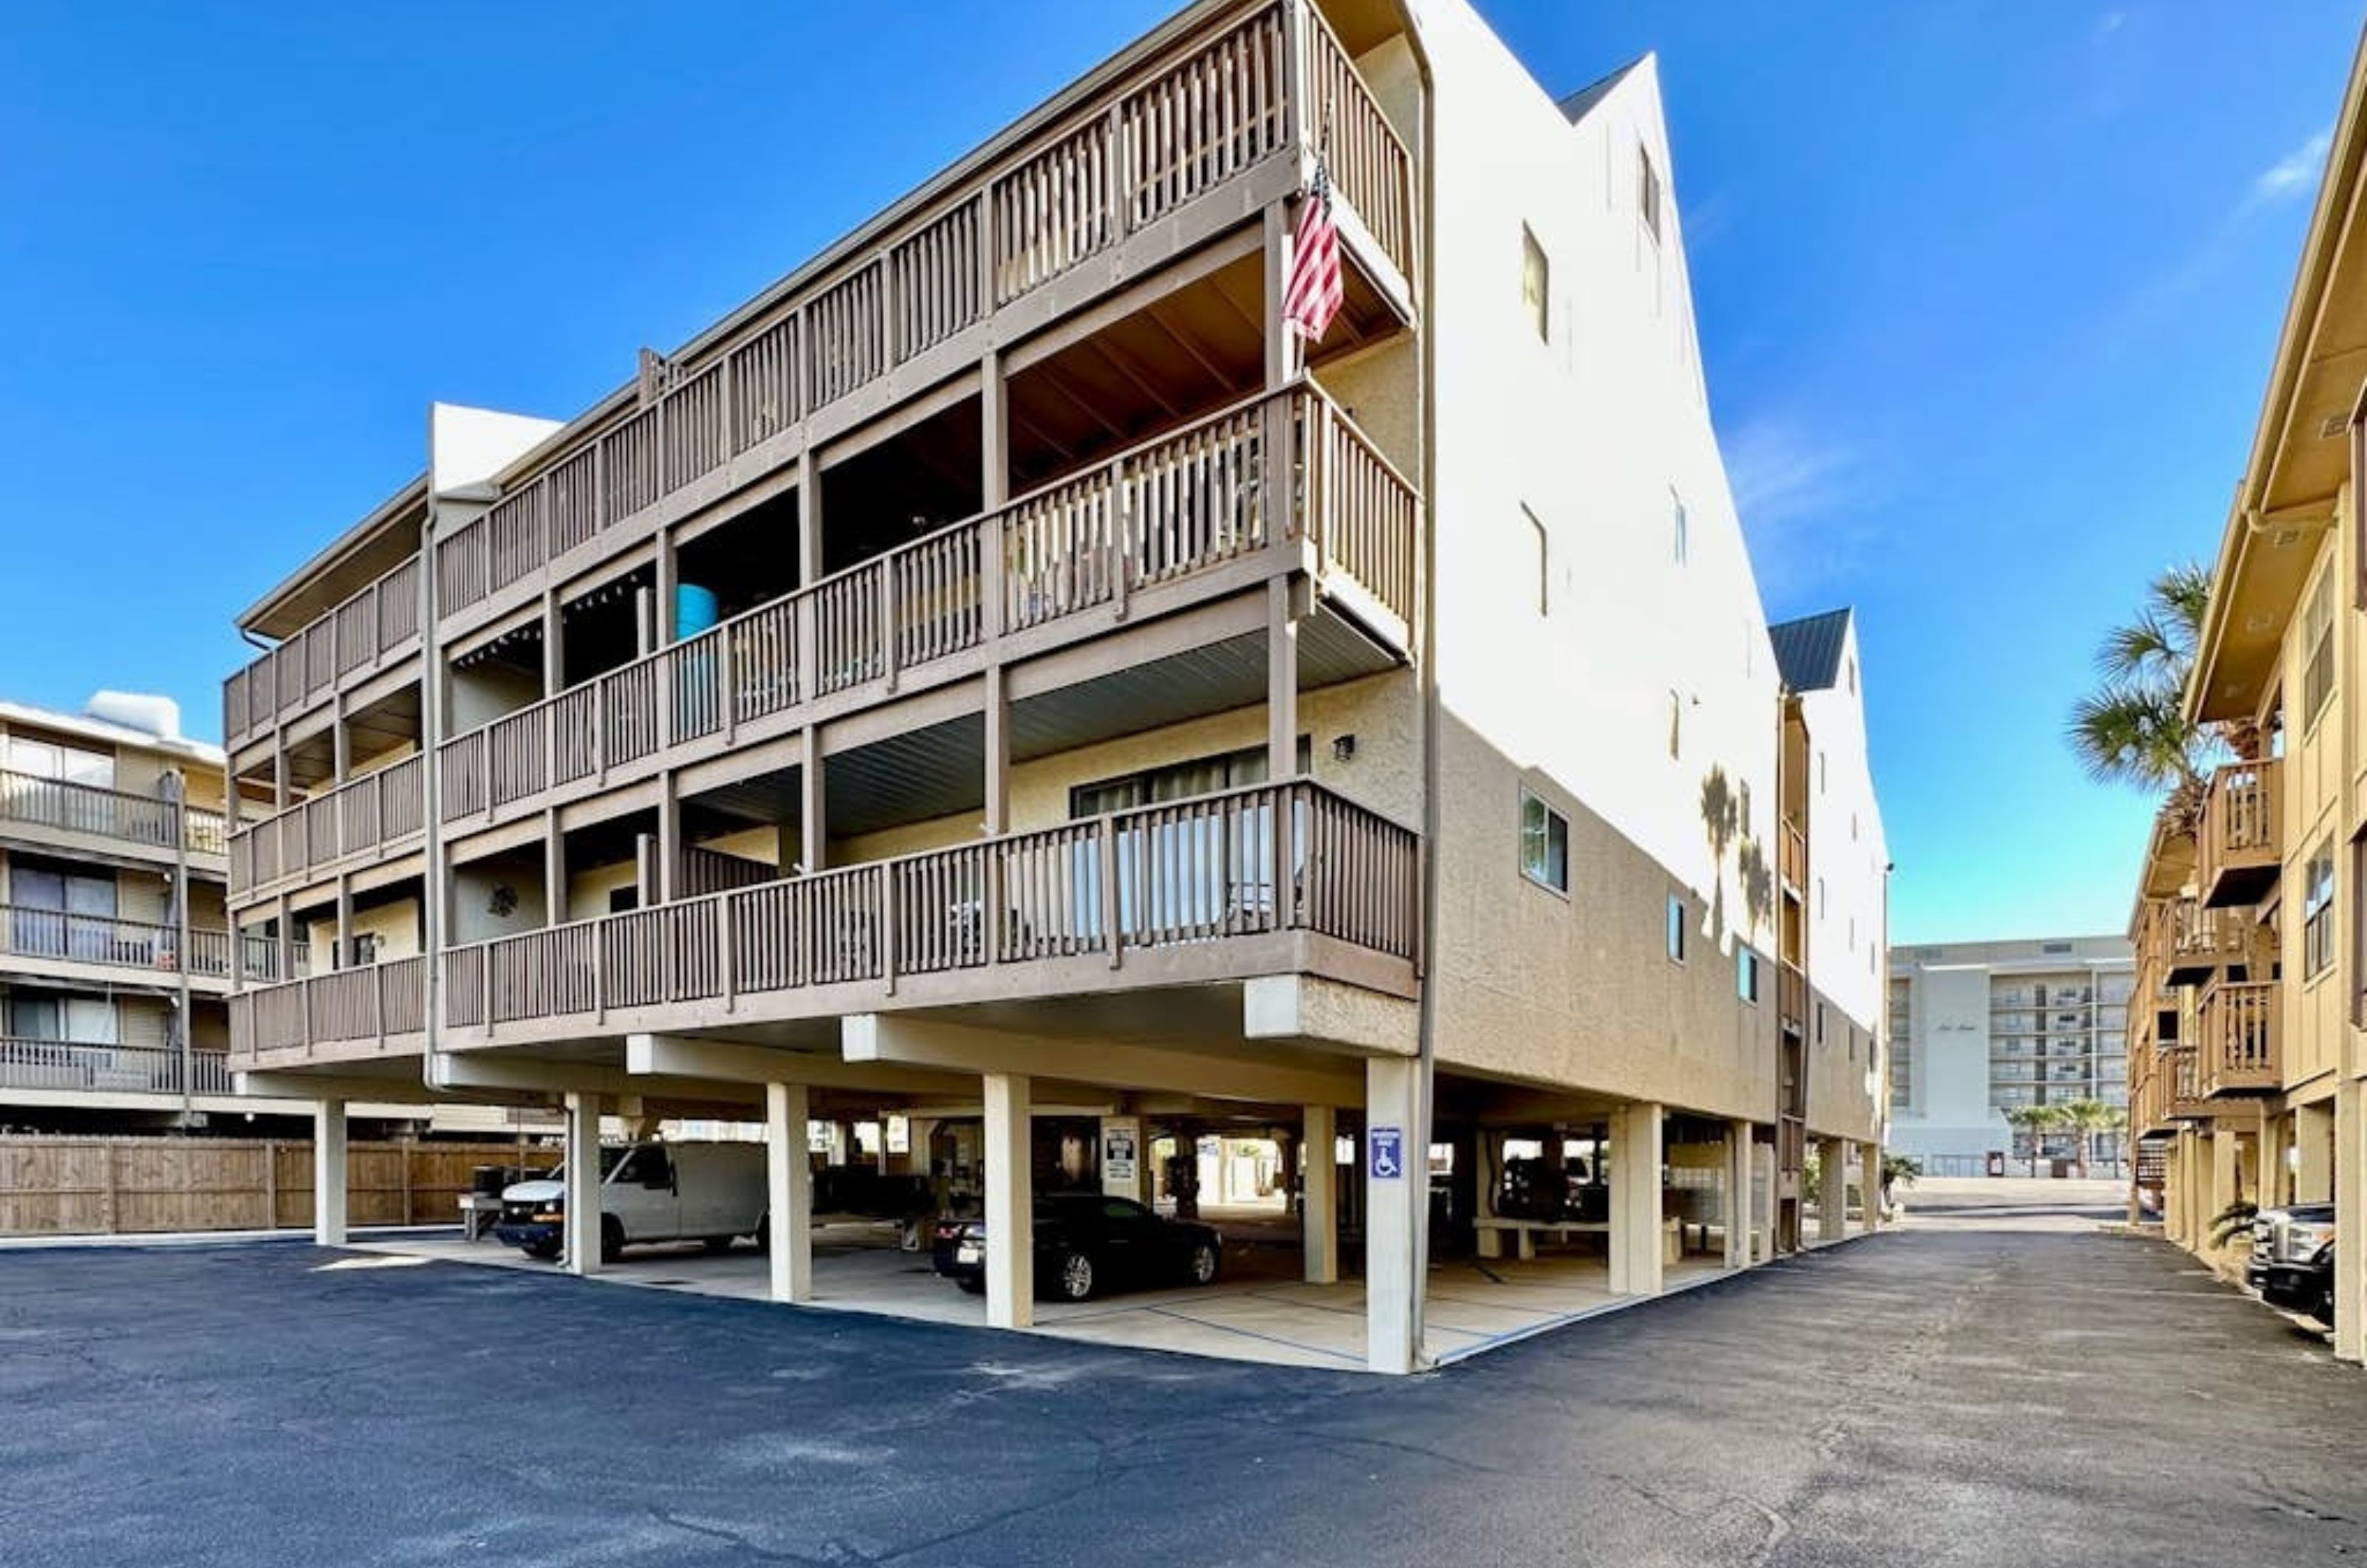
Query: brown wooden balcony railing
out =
(367, 1008)
(360, 817)
(1182, 881)
(2239, 1023)
(2241, 843)
(1792, 856)
(379, 621)
(2196, 941)
(103, 940)
(1792, 997)
(1187, 502)
(99, 812)
(79, 1068)
(2182, 1070)
(1229, 105)
(266, 962)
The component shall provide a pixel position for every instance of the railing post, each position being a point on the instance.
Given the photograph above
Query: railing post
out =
(887, 926)
(377, 1004)
(723, 955)
(1109, 887)
(887, 649)
(1286, 832)
(1122, 526)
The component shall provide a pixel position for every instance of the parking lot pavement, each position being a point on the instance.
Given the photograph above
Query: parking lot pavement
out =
(1966, 1395)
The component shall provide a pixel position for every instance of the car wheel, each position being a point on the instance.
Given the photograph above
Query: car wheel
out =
(546, 1250)
(971, 1285)
(612, 1238)
(2324, 1310)
(1073, 1275)
(1204, 1263)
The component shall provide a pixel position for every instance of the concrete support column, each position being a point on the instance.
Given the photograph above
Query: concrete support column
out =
(1319, 1196)
(788, 1184)
(329, 1173)
(1869, 1185)
(2314, 1143)
(1397, 1204)
(2226, 1176)
(1635, 1232)
(1762, 1165)
(1009, 1203)
(1738, 1195)
(2350, 1160)
(584, 1184)
(1832, 1189)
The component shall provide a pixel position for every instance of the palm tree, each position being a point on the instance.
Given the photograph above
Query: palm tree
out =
(2133, 728)
(2035, 1121)
(2088, 1118)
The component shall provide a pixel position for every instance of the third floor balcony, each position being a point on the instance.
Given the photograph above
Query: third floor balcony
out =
(2239, 1028)
(357, 823)
(2241, 846)
(372, 631)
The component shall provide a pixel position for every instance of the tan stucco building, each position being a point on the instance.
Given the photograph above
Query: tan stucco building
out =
(1001, 665)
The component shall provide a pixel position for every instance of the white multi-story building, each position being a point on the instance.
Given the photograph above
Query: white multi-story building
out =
(1979, 1029)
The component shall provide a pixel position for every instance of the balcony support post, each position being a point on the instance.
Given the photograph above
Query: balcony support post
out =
(554, 645)
(1832, 1189)
(2350, 1160)
(1738, 1139)
(788, 1175)
(1281, 681)
(344, 956)
(1320, 1195)
(554, 868)
(341, 742)
(329, 1173)
(814, 827)
(669, 867)
(1010, 1204)
(1397, 1209)
(583, 1208)
(1869, 1187)
(993, 486)
(1635, 1228)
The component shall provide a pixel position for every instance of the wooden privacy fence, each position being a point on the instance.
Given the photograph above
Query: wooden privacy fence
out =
(112, 1186)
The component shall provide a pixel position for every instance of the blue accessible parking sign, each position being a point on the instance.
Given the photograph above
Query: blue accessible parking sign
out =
(1388, 1145)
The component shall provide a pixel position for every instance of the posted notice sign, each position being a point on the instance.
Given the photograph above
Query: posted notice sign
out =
(1387, 1145)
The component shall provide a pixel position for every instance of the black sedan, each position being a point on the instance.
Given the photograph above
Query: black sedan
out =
(1086, 1242)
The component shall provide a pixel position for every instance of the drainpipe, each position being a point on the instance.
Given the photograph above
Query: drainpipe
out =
(177, 789)
(431, 782)
(1432, 815)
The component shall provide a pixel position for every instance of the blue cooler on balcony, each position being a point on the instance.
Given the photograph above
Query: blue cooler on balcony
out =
(698, 695)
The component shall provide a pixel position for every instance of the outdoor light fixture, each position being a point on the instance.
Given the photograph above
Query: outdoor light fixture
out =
(1343, 749)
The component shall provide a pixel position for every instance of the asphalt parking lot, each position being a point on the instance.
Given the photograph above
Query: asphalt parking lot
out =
(1953, 1394)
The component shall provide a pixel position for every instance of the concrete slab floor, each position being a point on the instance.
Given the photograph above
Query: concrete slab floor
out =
(1260, 1310)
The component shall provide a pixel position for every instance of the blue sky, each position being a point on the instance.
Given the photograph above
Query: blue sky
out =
(1987, 293)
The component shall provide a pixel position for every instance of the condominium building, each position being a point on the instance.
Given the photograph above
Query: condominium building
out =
(1981, 1029)
(1006, 674)
(2244, 1047)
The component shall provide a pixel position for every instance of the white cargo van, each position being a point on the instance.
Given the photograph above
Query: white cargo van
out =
(709, 1192)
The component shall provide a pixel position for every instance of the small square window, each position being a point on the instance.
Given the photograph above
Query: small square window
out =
(1676, 928)
(1647, 190)
(1536, 285)
(1544, 844)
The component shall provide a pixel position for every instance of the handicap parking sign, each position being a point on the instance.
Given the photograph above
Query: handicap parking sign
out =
(1388, 1145)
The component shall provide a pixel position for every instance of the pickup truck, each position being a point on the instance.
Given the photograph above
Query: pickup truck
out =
(2293, 1259)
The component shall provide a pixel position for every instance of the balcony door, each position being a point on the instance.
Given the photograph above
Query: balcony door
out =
(57, 915)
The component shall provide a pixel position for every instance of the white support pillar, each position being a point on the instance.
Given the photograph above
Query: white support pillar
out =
(1764, 1177)
(1319, 1196)
(1009, 1203)
(1832, 1189)
(2350, 1202)
(1869, 1187)
(788, 1175)
(1635, 1229)
(2313, 1134)
(1396, 1203)
(583, 1183)
(329, 1173)
(1737, 1194)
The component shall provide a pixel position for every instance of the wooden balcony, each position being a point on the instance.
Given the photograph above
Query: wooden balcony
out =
(2238, 1025)
(1792, 998)
(1097, 193)
(2182, 1085)
(2242, 845)
(34, 1069)
(1278, 483)
(1277, 879)
(374, 1009)
(58, 814)
(375, 629)
(2198, 942)
(62, 945)
(357, 823)
(1791, 858)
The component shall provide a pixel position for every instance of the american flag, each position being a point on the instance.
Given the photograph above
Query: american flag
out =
(1312, 294)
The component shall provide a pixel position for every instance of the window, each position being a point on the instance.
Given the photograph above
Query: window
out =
(366, 947)
(1545, 563)
(1677, 541)
(1676, 727)
(1536, 285)
(1746, 974)
(1544, 844)
(2318, 633)
(2317, 912)
(1676, 928)
(1647, 190)
(1180, 781)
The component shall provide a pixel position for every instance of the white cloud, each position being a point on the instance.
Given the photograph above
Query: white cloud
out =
(2293, 173)
(2109, 23)
(1802, 497)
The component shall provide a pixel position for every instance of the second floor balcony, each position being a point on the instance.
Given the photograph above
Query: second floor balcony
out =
(2239, 1026)
(368, 1010)
(71, 1070)
(103, 950)
(354, 824)
(2241, 847)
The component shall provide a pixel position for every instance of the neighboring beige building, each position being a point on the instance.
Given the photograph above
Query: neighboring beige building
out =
(2245, 1069)
(1000, 665)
